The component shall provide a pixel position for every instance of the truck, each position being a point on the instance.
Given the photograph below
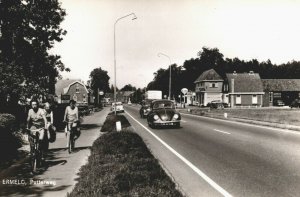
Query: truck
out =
(153, 94)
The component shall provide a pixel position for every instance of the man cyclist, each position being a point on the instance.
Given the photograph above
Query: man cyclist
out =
(71, 116)
(36, 119)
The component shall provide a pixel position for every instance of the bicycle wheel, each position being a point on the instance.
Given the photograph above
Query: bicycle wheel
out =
(70, 144)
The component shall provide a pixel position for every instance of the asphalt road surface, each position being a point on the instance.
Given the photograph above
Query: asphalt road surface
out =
(210, 157)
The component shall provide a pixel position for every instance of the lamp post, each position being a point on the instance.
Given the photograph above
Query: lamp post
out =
(159, 54)
(115, 62)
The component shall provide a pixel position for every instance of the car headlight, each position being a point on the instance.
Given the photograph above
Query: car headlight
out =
(155, 117)
(176, 116)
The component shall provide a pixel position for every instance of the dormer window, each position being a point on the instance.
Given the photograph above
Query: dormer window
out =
(77, 88)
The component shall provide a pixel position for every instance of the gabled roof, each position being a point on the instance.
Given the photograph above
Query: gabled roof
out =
(281, 84)
(66, 89)
(245, 82)
(209, 75)
(62, 86)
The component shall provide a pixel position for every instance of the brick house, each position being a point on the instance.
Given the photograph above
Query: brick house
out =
(286, 90)
(244, 89)
(208, 87)
(68, 89)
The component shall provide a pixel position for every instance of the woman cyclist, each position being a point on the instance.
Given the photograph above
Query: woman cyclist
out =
(36, 120)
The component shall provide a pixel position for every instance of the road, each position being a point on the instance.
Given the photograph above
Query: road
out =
(210, 157)
(59, 174)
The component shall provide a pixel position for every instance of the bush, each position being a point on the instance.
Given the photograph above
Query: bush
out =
(9, 138)
(110, 122)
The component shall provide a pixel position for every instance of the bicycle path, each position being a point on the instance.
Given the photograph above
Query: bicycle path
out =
(58, 176)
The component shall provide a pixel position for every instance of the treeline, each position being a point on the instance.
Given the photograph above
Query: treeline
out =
(28, 30)
(185, 75)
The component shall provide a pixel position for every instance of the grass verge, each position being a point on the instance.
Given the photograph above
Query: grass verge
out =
(121, 165)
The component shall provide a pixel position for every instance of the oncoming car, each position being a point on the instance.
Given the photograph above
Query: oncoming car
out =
(145, 109)
(163, 113)
(119, 107)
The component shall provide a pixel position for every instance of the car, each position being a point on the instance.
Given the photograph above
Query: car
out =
(279, 103)
(163, 113)
(295, 103)
(119, 107)
(145, 109)
(216, 104)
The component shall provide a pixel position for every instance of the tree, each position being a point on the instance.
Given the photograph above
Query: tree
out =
(29, 30)
(99, 81)
(128, 87)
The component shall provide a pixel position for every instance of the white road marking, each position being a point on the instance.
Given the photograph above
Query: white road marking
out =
(187, 162)
(247, 124)
(222, 131)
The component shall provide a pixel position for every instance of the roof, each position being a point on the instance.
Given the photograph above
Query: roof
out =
(281, 84)
(245, 82)
(61, 84)
(209, 75)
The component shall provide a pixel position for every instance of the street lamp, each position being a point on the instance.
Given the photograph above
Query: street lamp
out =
(115, 62)
(161, 54)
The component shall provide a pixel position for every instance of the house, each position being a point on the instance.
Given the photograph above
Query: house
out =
(121, 96)
(286, 90)
(68, 89)
(209, 86)
(244, 89)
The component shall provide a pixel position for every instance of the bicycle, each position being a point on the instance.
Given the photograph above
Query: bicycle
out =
(36, 151)
(72, 129)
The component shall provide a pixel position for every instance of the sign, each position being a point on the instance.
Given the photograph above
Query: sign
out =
(101, 93)
(65, 98)
(165, 96)
(184, 90)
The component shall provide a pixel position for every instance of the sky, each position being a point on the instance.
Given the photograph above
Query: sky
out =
(247, 29)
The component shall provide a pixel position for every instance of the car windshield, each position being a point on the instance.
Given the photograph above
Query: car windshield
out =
(163, 104)
(118, 104)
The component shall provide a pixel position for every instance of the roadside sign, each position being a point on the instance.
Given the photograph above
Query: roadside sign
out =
(165, 96)
(184, 90)
(101, 93)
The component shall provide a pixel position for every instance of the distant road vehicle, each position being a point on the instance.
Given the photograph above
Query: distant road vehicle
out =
(295, 103)
(163, 113)
(145, 108)
(217, 104)
(118, 106)
(279, 103)
(153, 94)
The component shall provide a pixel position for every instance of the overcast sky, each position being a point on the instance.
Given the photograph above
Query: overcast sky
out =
(246, 29)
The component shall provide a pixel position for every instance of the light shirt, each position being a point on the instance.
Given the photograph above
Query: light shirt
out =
(37, 118)
(71, 114)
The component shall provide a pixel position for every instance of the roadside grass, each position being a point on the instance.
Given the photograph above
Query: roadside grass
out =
(120, 164)
(110, 122)
(273, 115)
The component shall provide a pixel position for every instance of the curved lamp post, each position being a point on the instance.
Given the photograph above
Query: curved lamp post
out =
(159, 55)
(115, 62)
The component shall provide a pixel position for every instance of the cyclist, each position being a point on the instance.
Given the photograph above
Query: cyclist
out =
(71, 116)
(50, 127)
(36, 119)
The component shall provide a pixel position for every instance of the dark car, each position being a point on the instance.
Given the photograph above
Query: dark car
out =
(295, 103)
(163, 113)
(217, 104)
(145, 109)
(279, 103)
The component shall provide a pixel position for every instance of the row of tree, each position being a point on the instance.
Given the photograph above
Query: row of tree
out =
(185, 75)
(28, 30)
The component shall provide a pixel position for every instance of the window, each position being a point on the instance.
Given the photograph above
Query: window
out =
(213, 85)
(254, 99)
(77, 88)
(271, 97)
(238, 99)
